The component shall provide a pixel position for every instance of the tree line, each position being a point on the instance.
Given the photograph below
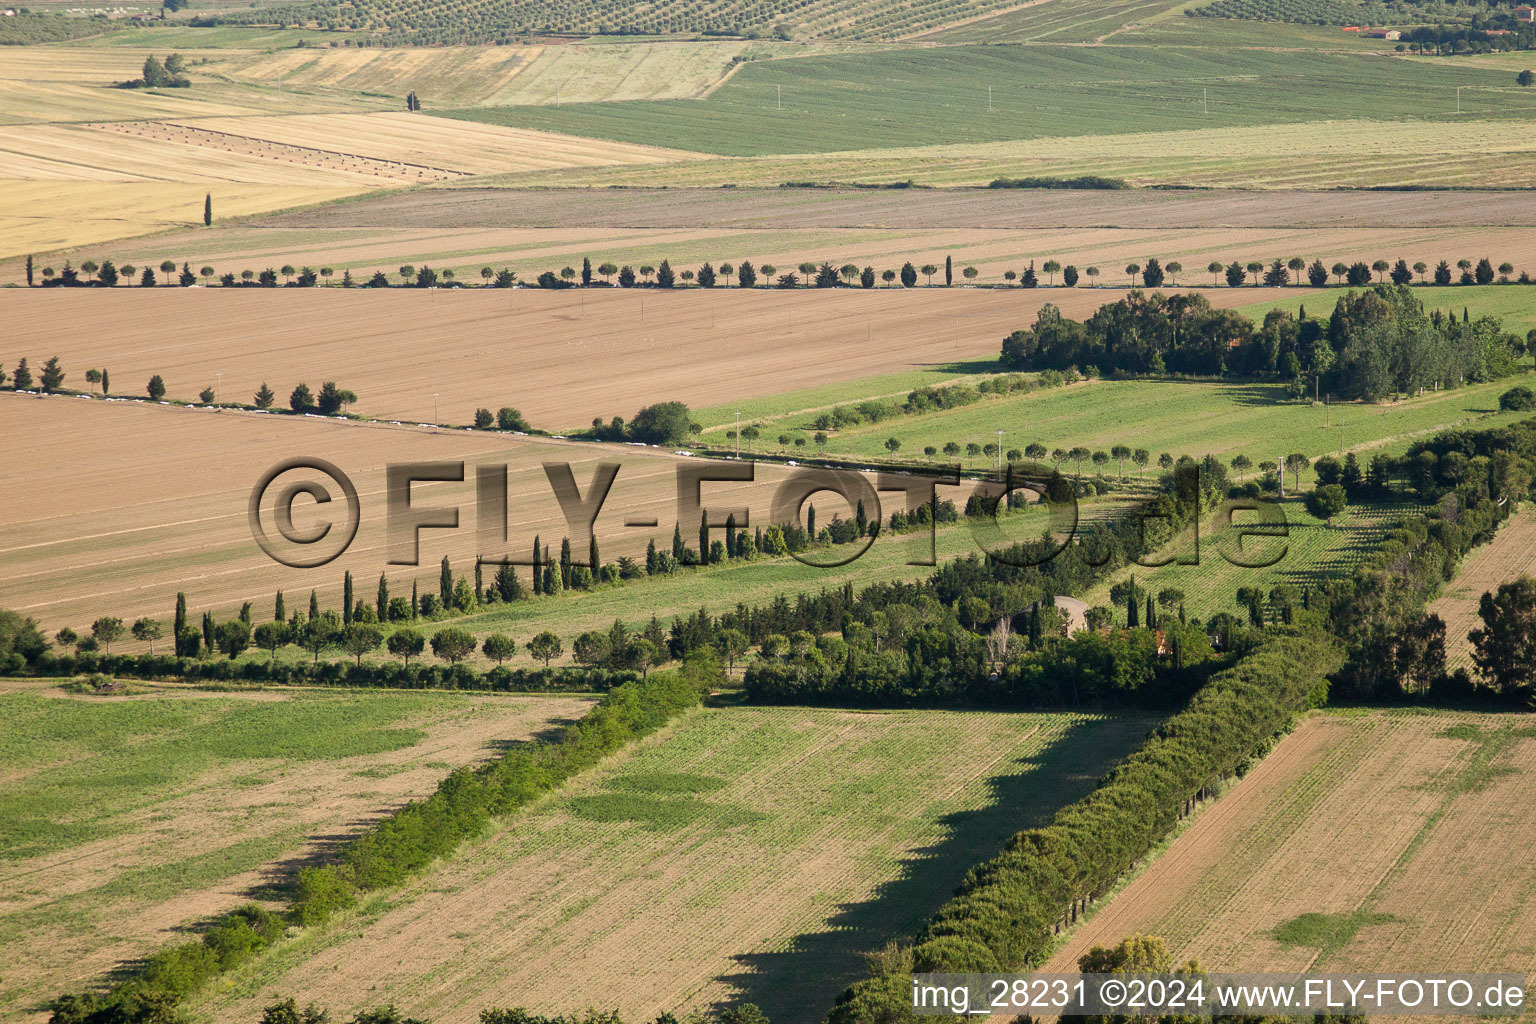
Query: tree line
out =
(1375, 342)
(1277, 273)
(332, 399)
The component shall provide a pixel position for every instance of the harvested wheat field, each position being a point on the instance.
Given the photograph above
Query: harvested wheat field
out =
(750, 853)
(1323, 154)
(43, 215)
(145, 501)
(459, 145)
(127, 819)
(524, 348)
(1510, 555)
(497, 76)
(1366, 841)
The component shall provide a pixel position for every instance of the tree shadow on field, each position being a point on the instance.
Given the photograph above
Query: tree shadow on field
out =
(1266, 395)
(279, 879)
(964, 366)
(798, 985)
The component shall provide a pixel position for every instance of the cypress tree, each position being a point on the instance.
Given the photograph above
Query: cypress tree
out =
(29, 270)
(382, 602)
(1131, 611)
(593, 557)
(415, 602)
(314, 605)
(106, 382)
(538, 582)
(810, 522)
(703, 537)
(208, 210)
(1151, 613)
(551, 576)
(245, 613)
(586, 271)
(861, 518)
(565, 563)
(730, 535)
(479, 583)
(445, 584)
(279, 611)
(346, 599)
(1035, 628)
(677, 540)
(208, 630)
(650, 557)
(181, 621)
(1182, 620)
(949, 271)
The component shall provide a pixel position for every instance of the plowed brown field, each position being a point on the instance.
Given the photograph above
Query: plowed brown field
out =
(439, 355)
(1407, 824)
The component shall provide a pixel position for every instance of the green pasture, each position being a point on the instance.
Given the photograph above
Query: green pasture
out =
(938, 96)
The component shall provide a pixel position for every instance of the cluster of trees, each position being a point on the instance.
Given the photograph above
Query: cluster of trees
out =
(399, 845)
(170, 74)
(49, 379)
(1375, 343)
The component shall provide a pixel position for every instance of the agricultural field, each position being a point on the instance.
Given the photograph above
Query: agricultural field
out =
(1311, 553)
(746, 853)
(993, 231)
(462, 22)
(1224, 419)
(149, 514)
(498, 76)
(932, 97)
(520, 347)
(1510, 555)
(1338, 152)
(129, 818)
(1366, 841)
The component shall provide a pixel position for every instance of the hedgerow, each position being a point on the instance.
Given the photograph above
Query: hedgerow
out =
(1007, 909)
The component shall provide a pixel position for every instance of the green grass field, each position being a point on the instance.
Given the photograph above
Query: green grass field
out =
(125, 818)
(745, 853)
(1178, 417)
(1313, 552)
(940, 96)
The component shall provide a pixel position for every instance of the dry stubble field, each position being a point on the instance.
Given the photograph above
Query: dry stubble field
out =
(1510, 555)
(487, 347)
(1402, 833)
(465, 229)
(129, 818)
(750, 853)
(159, 506)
